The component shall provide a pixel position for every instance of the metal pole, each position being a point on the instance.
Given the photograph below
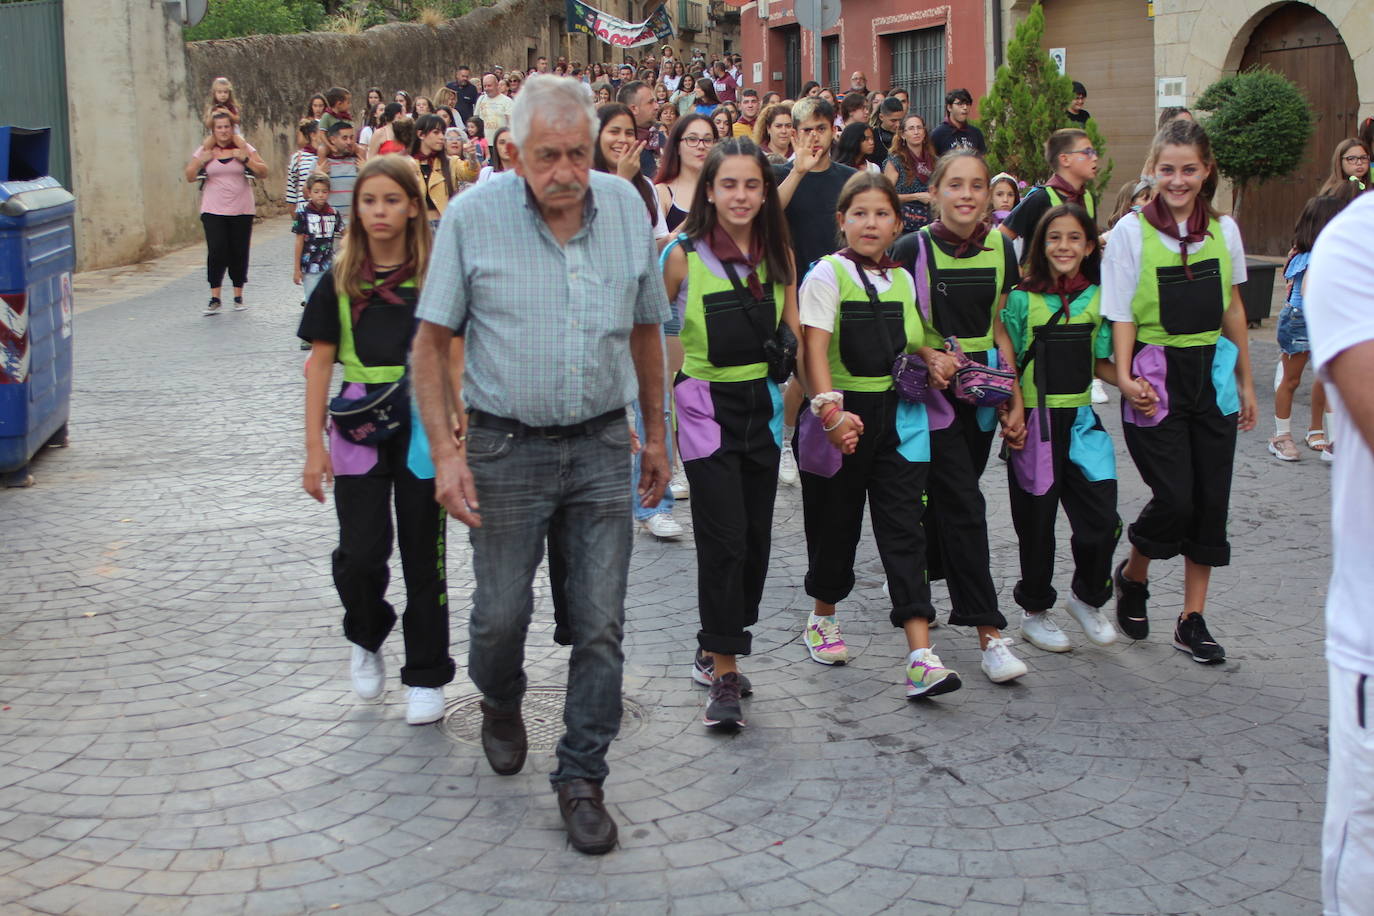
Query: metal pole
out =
(816, 55)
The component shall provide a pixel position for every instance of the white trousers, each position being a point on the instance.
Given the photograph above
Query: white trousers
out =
(1348, 832)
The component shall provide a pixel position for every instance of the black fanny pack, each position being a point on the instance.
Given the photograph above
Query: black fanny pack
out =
(376, 416)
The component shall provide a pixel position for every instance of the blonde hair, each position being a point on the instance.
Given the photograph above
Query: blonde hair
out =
(222, 82)
(348, 263)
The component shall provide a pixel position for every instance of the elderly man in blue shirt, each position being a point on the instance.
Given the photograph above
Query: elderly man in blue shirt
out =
(550, 274)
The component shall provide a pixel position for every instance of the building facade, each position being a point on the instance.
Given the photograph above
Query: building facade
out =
(924, 46)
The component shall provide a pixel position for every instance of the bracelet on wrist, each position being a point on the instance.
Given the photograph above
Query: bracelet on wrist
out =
(819, 401)
(837, 424)
(829, 412)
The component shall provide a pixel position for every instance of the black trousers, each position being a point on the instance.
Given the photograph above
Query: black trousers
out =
(1186, 462)
(833, 507)
(227, 240)
(362, 570)
(1091, 508)
(956, 522)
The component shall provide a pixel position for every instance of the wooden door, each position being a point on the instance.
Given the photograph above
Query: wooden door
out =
(1304, 46)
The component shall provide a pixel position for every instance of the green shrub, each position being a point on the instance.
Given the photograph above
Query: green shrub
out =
(236, 18)
(1259, 123)
(1028, 101)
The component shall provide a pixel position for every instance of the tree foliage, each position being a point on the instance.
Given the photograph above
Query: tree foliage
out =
(1259, 123)
(1028, 101)
(236, 18)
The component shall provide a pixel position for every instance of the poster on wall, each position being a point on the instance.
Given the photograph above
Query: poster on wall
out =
(616, 31)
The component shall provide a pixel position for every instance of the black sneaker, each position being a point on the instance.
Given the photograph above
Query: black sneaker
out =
(1191, 636)
(723, 708)
(238, 304)
(213, 307)
(704, 672)
(1131, 604)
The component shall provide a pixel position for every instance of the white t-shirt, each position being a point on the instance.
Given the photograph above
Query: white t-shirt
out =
(819, 297)
(1339, 307)
(1121, 264)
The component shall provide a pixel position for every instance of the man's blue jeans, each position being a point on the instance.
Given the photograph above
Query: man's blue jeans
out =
(575, 492)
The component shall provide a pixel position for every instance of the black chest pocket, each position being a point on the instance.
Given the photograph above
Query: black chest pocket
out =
(963, 300)
(731, 338)
(1191, 306)
(864, 350)
(1067, 352)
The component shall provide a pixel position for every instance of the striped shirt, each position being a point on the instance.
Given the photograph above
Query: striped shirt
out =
(547, 326)
(298, 173)
(343, 175)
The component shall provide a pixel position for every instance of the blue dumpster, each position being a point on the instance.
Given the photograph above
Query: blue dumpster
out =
(36, 263)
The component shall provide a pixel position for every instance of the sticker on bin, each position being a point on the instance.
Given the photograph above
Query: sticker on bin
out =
(67, 304)
(14, 340)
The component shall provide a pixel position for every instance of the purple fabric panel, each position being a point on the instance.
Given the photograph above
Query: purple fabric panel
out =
(698, 433)
(1151, 365)
(939, 411)
(1034, 464)
(348, 457)
(815, 454)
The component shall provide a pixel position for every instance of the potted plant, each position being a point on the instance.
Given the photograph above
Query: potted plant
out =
(1259, 123)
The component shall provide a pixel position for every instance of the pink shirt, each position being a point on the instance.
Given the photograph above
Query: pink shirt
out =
(227, 192)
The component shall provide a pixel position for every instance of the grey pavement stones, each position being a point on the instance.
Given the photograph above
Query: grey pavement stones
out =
(193, 745)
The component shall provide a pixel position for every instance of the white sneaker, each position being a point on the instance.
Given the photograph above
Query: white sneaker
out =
(787, 466)
(369, 672)
(1042, 632)
(679, 487)
(999, 664)
(663, 525)
(424, 705)
(1099, 392)
(1095, 624)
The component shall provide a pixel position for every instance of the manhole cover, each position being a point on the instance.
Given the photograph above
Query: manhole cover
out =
(543, 710)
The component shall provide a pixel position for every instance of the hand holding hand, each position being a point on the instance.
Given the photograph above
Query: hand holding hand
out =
(1013, 421)
(845, 435)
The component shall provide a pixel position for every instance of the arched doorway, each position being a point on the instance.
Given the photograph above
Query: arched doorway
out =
(1302, 44)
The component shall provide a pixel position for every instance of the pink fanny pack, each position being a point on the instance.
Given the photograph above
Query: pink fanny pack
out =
(977, 384)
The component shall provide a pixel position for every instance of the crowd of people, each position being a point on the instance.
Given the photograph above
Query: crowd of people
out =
(823, 291)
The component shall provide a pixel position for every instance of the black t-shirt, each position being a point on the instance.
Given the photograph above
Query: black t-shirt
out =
(811, 214)
(1080, 117)
(467, 98)
(382, 332)
(946, 137)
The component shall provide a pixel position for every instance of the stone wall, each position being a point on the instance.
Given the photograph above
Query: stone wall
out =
(274, 75)
(137, 94)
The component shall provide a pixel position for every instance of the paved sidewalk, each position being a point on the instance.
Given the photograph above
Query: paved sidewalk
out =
(178, 733)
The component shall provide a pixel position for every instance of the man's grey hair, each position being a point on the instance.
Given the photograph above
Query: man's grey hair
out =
(556, 102)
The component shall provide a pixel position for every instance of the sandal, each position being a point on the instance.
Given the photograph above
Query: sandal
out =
(1316, 440)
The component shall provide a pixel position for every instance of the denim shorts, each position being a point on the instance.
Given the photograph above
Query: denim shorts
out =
(1292, 331)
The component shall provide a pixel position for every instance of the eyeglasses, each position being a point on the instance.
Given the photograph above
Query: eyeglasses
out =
(698, 142)
(1086, 152)
(1354, 158)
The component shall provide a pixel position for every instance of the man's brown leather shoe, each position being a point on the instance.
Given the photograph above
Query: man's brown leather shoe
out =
(589, 824)
(503, 740)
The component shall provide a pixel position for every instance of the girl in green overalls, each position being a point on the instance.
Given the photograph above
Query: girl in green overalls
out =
(861, 441)
(1055, 323)
(963, 273)
(1170, 285)
(731, 275)
(362, 315)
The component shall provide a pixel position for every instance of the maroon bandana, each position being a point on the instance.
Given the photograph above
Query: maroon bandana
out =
(1067, 192)
(963, 246)
(385, 290)
(882, 265)
(1157, 214)
(725, 249)
(1066, 288)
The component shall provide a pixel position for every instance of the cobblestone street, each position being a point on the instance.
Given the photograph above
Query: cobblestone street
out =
(179, 734)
